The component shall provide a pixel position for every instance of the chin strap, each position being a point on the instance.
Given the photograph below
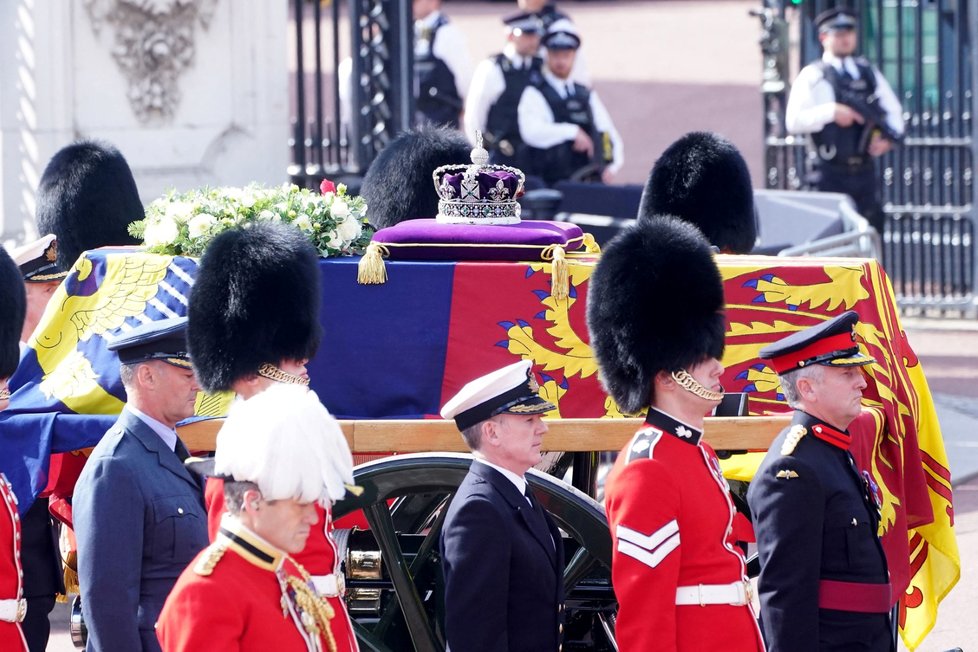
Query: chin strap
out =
(693, 386)
(272, 372)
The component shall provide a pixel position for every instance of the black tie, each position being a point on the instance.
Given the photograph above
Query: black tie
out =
(181, 450)
(538, 519)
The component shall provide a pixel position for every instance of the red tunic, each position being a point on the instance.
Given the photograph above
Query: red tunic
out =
(319, 557)
(671, 520)
(11, 574)
(235, 597)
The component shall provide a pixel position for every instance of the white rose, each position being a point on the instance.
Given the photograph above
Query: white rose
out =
(339, 209)
(178, 212)
(349, 229)
(161, 232)
(267, 215)
(334, 241)
(201, 224)
(303, 222)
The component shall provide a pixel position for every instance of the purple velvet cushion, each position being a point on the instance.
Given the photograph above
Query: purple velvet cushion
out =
(494, 241)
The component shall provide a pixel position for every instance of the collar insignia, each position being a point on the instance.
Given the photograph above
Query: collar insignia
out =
(684, 432)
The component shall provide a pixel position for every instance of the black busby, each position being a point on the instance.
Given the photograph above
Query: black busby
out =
(398, 184)
(87, 198)
(655, 303)
(14, 308)
(703, 179)
(255, 300)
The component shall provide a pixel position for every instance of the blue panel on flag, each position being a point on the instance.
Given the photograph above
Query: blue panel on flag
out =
(354, 372)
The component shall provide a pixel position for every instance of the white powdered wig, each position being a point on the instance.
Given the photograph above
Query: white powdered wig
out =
(285, 441)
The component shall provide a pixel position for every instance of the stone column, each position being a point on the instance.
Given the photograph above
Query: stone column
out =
(192, 92)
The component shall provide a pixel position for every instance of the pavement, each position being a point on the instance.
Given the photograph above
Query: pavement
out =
(667, 67)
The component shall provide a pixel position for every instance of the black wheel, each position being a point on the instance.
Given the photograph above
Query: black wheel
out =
(404, 502)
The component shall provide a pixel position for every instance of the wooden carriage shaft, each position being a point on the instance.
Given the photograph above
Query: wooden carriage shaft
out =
(425, 436)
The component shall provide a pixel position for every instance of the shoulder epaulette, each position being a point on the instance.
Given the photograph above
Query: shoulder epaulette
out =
(205, 565)
(793, 437)
(643, 443)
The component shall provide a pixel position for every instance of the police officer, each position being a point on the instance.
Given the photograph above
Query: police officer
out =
(138, 513)
(655, 318)
(282, 455)
(824, 583)
(831, 100)
(564, 122)
(501, 553)
(549, 14)
(497, 86)
(442, 66)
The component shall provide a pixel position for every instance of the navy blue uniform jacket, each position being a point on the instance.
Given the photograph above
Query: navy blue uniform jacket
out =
(814, 521)
(139, 521)
(504, 586)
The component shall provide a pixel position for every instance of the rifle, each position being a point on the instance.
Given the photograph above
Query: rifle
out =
(874, 117)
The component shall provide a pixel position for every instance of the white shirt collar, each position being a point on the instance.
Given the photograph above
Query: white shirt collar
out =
(839, 63)
(429, 20)
(517, 480)
(559, 84)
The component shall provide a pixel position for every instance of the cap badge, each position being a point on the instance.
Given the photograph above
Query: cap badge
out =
(532, 381)
(51, 253)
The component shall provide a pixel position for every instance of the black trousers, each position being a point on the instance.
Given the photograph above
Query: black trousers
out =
(42, 573)
(861, 183)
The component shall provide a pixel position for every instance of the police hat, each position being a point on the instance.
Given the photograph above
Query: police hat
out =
(562, 35)
(397, 186)
(510, 390)
(524, 23)
(87, 198)
(255, 300)
(14, 302)
(37, 260)
(836, 18)
(832, 343)
(654, 303)
(164, 340)
(703, 179)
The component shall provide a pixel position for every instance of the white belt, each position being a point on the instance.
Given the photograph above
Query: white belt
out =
(330, 586)
(13, 611)
(735, 593)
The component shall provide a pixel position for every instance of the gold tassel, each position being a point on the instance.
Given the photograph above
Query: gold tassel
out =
(591, 245)
(559, 282)
(371, 270)
(71, 575)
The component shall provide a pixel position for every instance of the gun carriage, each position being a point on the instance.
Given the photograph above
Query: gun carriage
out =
(390, 353)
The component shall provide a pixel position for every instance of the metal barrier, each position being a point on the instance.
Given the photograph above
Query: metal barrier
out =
(926, 50)
(350, 95)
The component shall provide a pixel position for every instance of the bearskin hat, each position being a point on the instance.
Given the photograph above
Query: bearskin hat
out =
(655, 303)
(12, 315)
(703, 179)
(256, 299)
(87, 198)
(398, 184)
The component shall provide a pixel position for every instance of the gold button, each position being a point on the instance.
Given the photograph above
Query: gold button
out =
(560, 629)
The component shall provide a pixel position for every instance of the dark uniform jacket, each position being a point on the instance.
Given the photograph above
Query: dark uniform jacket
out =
(436, 95)
(561, 161)
(139, 520)
(503, 574)
(502, 135)
(817, 518)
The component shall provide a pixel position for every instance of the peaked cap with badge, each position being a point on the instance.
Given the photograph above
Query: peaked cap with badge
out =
(164, 340)
(562, 35)
(655, 303)
(255, 302)
(38, 260)
(510, 390)
(14, 301)
(836, 18)
(703, 179)
(831, 343)
(87, 198)
(397, 186)
(524, 23)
